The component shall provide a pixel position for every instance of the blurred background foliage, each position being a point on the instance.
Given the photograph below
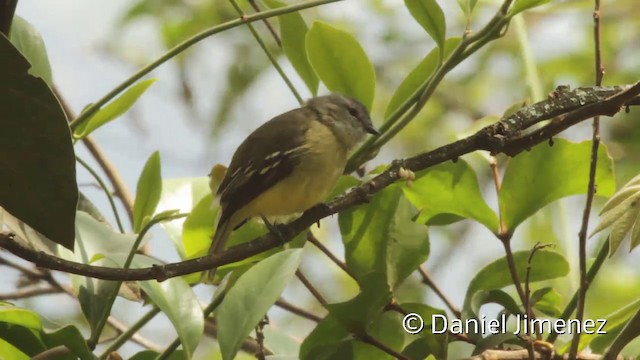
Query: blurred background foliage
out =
(549, 46)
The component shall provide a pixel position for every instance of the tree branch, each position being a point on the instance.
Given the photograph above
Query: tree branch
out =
(505, 136)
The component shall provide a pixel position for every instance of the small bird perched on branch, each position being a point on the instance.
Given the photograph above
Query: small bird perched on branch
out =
(290, 163)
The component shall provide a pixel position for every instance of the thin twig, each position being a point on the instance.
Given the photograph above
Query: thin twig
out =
(297, 311)
(171, 53)
(272, 58)
(591, 274)
(104, 188)
(260, 353)
(527, 290)
(505, 136)
(314, 240)
(513, 270)
(29, 292)
(426, 279)
(266, 22)
(591, 188)
(131, 332)
(311, 288)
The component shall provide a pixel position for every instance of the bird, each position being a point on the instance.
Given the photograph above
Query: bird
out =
(290, 163)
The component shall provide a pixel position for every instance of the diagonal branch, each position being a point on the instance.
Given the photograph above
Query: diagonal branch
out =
(505, 136)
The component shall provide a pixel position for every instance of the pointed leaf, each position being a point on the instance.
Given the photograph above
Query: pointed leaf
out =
(547, 300)
(242, 308)
(419, 75)
(293, 31)
(615, 322)
(467, 7)
(620, 196)
(381, 236)
(71, 338)
(26, 38)
(522, 5)
(450, 188)
(544, 266)
(356, 314)
(612, 216)
(557, 171)
(430, 16)
(37, 166)
(623, 225)
(428, 343)
(325, 340)
(340, 62)
(94, 238)
(114, 109)
(147, 192)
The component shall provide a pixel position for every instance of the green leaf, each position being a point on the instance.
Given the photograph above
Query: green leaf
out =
(380, 236)
(356, 314)
(467, 7)
(419, 75)
(114, 109)
(623, 225)
(340, 62)
(293, 31)
(71, 338)
(20, 328)
(8, 351)
(325, 340)
(450, 188)
(547, 300)
(428, 343)
(147, 192)
(25, 340)
(491, 296)
(22, 317)
(522, 5)
(430, 16)
(198, 228)
(27, 39)
(544, 266)
(615, 322)
(181, 194)
(557, 171)
(622, 212)
(385, 327)
(95, 240)
(178, 302)
(242, 308)
(37, 166)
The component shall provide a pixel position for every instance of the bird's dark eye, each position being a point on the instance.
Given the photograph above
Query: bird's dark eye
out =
(353, 112)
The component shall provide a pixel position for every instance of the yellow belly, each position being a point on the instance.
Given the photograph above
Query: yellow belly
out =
(310, 183)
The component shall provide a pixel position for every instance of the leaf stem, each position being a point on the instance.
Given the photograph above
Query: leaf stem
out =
(272, 58)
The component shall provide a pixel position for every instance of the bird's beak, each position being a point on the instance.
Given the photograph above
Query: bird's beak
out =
(371, 129)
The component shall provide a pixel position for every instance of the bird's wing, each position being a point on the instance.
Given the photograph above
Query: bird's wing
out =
(282, 142)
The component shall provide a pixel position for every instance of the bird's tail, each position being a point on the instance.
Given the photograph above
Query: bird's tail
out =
(219, 240)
